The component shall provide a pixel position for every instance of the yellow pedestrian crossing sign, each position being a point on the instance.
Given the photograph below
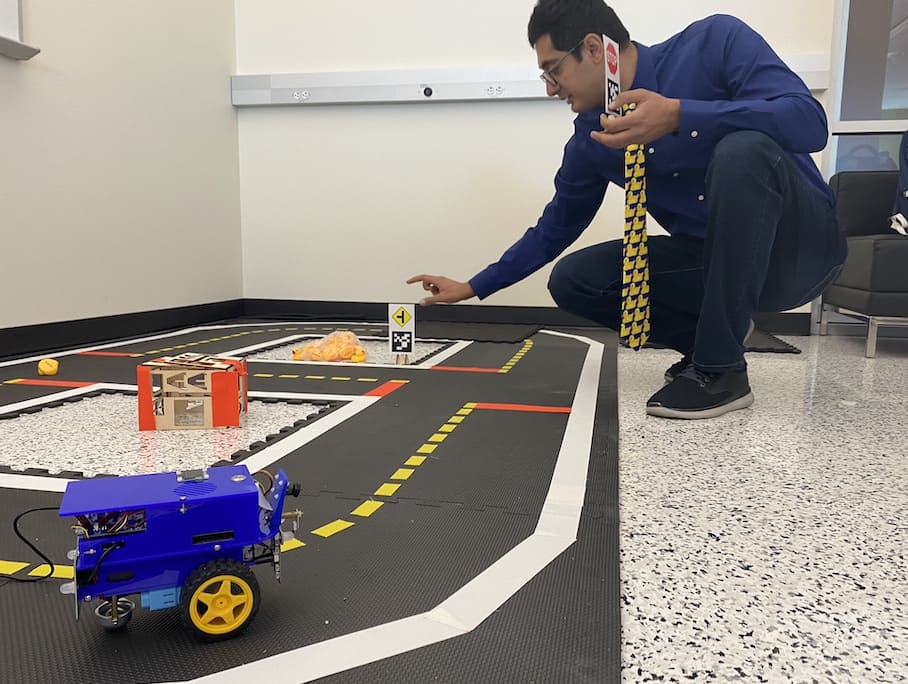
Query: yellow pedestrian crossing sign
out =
(401, 317)
(401, 328)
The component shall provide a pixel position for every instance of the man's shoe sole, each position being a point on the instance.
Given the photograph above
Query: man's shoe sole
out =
(664, 412)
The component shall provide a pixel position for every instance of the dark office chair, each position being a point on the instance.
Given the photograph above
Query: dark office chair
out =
(874, 281)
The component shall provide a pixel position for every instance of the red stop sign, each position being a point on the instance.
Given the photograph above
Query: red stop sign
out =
(611, 56)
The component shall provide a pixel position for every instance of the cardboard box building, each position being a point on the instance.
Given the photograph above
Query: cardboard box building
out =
(192, 391)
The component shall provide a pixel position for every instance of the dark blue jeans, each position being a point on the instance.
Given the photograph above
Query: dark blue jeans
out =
(772, 244)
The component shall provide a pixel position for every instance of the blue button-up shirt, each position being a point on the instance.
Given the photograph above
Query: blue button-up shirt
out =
(728, 79)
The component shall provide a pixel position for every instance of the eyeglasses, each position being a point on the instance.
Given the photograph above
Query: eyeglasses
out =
(549, 75)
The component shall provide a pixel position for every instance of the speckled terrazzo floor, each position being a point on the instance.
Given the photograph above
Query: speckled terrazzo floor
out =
(376, 351)
(56, 439)
(768, 545)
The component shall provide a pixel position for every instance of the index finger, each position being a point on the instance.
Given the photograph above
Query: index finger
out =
(418, 279)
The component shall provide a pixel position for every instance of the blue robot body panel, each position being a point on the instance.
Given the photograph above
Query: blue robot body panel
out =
(110, 494)
(146, 534)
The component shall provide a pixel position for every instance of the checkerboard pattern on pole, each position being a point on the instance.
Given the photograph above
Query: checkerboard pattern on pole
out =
(635, 324)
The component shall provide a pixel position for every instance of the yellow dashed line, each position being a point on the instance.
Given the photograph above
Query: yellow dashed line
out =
(527, 345)
(287, 376)
(10, 568)
(291, 545)
(367, 508)
(367, 379)
(333, 528)
(315, 377)
(60, 571)
(387, 489)
(263, 375)
(340, 378)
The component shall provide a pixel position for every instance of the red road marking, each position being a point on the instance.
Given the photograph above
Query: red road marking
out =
(464, 369)
(386, 389)
(52, 383)
(104, 353)
(524, 407)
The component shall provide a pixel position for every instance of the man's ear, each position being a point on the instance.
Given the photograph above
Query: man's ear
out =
(592, 43)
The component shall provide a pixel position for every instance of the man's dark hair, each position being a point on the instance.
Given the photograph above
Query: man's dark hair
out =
(568, 21)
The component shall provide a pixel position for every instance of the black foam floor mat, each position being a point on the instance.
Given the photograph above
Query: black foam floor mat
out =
(760, 341)
(476, 497)
(477, 332)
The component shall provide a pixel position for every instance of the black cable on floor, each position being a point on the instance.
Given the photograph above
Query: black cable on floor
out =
(50, 563)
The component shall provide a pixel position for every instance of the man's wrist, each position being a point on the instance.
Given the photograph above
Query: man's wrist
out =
(676, 114)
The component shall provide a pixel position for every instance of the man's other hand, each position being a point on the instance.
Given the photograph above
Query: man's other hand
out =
(444, 290)
(653, 117)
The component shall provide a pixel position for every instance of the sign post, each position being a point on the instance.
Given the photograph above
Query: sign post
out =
(401, 331)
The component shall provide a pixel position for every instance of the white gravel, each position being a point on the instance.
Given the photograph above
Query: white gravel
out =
(100, 435)
(376, 351)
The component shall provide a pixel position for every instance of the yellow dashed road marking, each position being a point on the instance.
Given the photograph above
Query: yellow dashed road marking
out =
(527, 345)
(60, 571)
(415, 461)
(447, 427)
(263, 375)
(333, 528)
(402, 474)
(367, 379)
(10, 568)
(426, 449)
(290, 545)
(315, 377)
(438, 437)
(339, 378)
(387, 489)
(286, 377)
(367, 508)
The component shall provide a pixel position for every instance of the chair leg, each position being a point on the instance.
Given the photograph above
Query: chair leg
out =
(824, 319)
(872, 326)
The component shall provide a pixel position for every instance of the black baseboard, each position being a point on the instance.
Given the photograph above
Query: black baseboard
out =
(783, 323)
(49, 337)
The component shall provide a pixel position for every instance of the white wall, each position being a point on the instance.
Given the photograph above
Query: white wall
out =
(345, 202)
(117, 139)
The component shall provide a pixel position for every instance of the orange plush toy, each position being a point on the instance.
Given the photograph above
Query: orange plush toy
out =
(341, 345)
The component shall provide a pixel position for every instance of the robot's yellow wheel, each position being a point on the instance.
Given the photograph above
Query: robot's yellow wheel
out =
(219, 599)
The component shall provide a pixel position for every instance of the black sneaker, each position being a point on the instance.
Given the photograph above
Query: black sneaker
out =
(694, 394)
(675, 369)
